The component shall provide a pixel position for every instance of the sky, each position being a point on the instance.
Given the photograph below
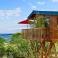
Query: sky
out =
(14, 11)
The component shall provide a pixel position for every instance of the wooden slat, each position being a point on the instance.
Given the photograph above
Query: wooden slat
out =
(35, 33)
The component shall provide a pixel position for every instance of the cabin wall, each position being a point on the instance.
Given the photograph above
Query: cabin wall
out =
(53, 27)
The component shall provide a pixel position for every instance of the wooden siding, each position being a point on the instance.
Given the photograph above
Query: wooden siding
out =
(35, 33)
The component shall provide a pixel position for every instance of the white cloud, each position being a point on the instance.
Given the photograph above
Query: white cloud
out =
(34, 7)
(10, 12)
(41, 3)
(54, 0)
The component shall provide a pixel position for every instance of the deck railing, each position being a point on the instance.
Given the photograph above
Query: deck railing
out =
(35, 33)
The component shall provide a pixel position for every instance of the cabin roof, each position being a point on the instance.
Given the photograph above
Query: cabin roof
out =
(43, 13)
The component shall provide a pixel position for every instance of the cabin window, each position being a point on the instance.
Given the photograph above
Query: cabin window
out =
(47, 22)
(57, 21)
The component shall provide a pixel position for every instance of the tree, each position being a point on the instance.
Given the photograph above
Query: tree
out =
(2, 40)
(23, 46)
(15, 38)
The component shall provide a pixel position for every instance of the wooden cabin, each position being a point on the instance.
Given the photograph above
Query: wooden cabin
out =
(48, 31)
(45, 30)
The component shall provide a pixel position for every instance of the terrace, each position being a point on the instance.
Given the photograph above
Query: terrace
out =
(35, 33)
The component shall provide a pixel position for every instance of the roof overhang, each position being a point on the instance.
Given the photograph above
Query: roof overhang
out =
(52, 13)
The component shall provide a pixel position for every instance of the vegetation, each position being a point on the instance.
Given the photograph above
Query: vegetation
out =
(39, 22)
(18, 47)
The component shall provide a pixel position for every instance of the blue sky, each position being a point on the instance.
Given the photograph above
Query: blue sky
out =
(13, 11)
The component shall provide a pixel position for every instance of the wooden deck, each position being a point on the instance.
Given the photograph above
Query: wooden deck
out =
(35, 33)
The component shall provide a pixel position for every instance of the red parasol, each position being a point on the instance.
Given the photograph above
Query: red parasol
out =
(24, 22)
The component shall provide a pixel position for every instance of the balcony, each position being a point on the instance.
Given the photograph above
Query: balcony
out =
(35, 33)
